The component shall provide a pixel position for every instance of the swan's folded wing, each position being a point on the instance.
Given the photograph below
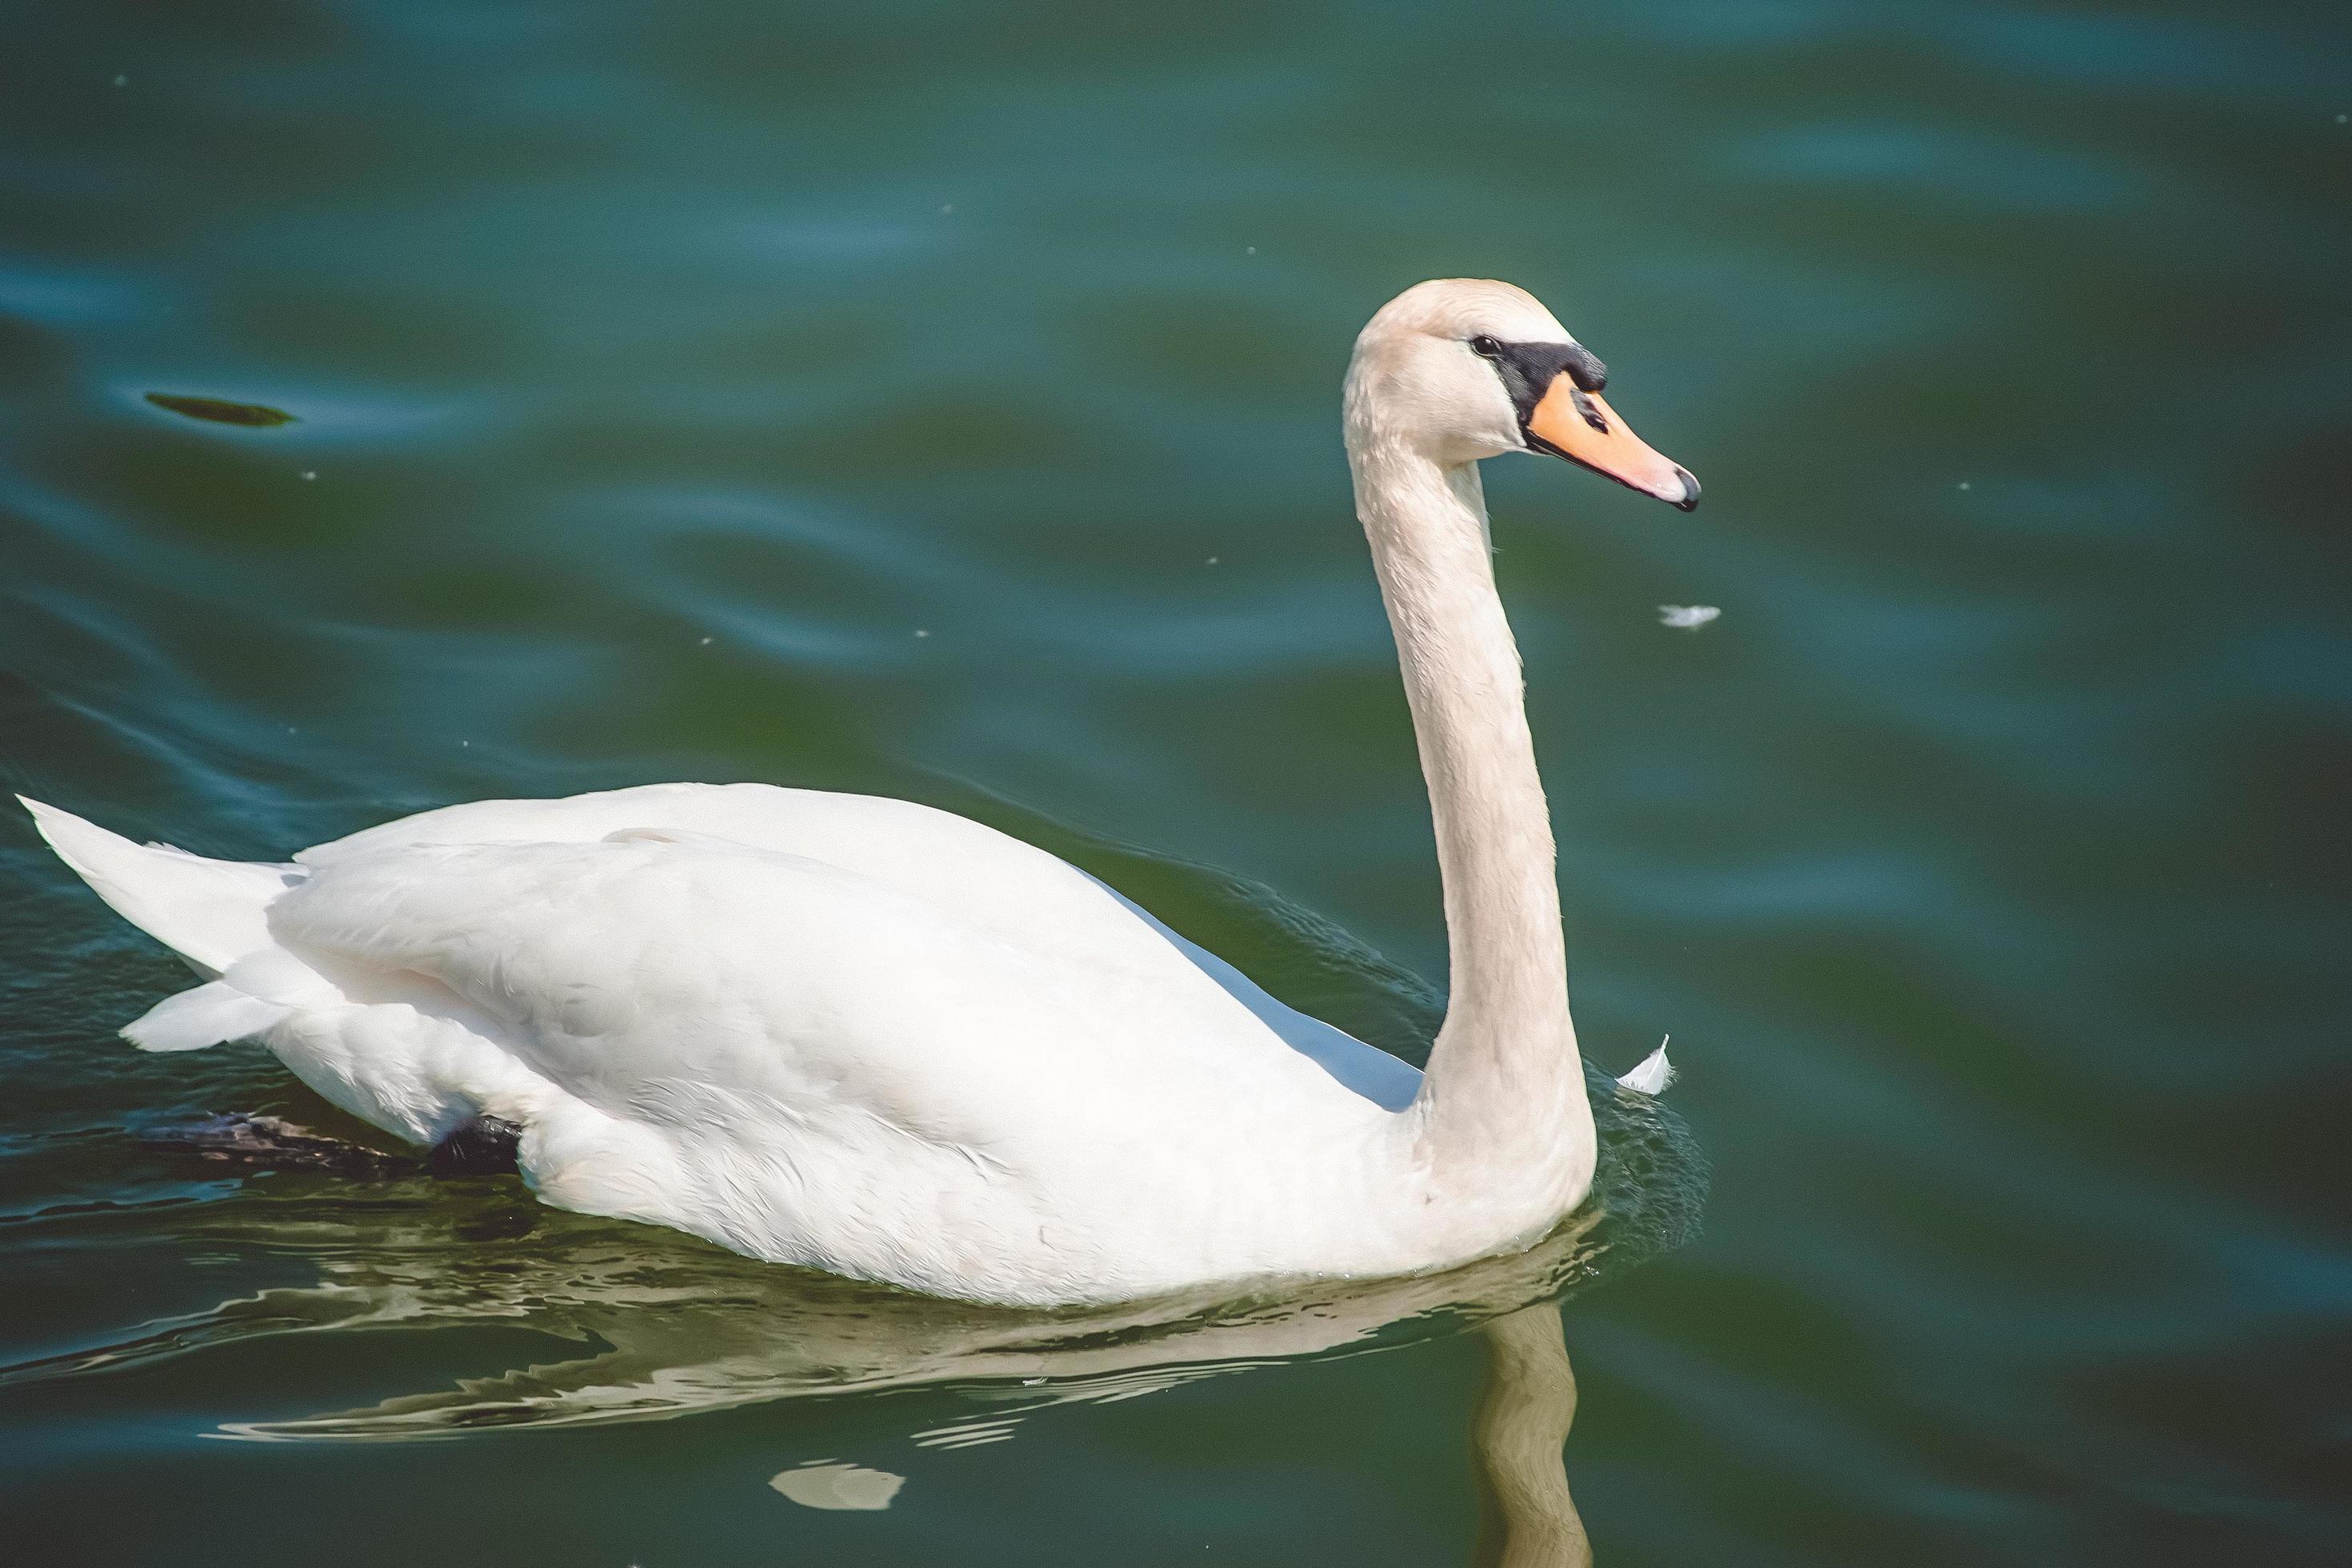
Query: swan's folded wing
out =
(697, 982)
(956, 869)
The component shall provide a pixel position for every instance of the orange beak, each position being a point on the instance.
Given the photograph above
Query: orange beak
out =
(1605, 444)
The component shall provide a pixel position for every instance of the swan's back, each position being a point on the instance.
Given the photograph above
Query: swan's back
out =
(1024, 895)
(924, 881)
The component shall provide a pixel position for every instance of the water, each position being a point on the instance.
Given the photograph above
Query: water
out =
(941, 401)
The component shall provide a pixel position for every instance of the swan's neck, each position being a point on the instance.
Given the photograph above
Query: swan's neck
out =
(1504, 1092)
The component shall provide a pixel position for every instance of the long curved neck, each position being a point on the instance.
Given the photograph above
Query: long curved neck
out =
(1505, 1088)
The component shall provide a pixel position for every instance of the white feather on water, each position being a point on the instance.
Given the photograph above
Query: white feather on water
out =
(1653, 1075)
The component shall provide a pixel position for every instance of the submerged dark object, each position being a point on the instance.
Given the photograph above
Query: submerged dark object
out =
(221, 411)
(270, 1142)
(481, 1146)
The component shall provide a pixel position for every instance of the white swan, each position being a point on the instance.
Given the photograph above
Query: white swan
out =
(878, 1039)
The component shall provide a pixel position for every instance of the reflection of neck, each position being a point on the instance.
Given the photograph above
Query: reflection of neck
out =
(1528, 1519)
(1504, 1089)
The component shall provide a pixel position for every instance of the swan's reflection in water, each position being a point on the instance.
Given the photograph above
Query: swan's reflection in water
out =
(1527, 1516)
(1527, 1520)
(670, 1327)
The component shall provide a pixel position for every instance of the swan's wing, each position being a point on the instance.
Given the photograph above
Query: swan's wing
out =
(733, 971)
(967, 871)
(1387, 1081)
(966, 874)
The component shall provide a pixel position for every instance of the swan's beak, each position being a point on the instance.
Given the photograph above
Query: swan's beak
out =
(1580, 428)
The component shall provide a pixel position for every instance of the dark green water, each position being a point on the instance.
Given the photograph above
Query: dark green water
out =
(943, 401)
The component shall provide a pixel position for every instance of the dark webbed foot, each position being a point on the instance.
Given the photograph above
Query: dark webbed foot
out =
(482, 1146)
(271, 1143)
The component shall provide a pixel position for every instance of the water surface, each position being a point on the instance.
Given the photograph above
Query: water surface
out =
(941, 401)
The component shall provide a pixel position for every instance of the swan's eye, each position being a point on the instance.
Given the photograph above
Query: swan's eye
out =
(1486, 346)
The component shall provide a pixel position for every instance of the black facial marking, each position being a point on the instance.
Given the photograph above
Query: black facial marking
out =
(1527, 370)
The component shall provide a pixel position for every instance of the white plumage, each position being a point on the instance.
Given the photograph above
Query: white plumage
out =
(876, 1039)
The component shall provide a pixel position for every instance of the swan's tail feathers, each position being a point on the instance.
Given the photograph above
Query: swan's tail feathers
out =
(211, 1014)
(1653, 1075)
(210, 912)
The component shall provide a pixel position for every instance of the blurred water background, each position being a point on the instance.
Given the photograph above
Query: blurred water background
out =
(941, 400)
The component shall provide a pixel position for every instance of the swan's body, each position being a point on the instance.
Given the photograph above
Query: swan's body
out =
(882, 1040)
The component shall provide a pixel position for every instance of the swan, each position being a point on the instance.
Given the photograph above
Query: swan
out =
(877, 1040)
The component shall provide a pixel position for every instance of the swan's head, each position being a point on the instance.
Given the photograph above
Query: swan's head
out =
(1462, 368)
